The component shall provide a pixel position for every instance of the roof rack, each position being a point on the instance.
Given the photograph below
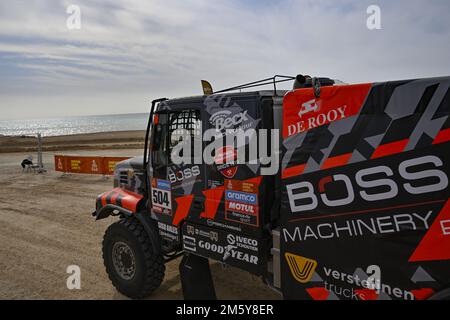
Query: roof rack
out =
(268, 81)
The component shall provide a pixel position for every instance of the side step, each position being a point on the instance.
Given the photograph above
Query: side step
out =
(276, 264)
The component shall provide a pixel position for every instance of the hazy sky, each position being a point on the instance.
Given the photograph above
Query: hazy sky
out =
(129, 52)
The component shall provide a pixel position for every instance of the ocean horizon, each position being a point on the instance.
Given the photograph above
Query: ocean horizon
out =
(63, 126)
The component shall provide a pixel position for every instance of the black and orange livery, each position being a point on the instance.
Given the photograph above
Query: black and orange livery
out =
(120, 198)
(368, 191)
(359, 208)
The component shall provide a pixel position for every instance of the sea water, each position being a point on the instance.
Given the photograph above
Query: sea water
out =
(74, 125)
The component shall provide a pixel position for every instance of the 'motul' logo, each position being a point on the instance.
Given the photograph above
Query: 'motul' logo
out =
(302, 268)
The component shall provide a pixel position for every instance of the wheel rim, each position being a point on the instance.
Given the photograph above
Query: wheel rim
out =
(123, 260)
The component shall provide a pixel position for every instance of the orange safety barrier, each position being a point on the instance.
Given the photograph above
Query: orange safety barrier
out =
(109, 164)
(87, 165)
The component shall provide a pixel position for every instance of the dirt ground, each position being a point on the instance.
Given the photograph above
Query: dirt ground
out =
(46, 225)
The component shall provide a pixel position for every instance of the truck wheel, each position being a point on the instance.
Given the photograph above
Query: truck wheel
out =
(132, 266)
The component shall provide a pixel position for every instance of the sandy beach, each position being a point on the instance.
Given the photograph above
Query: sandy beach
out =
(46, 225)
(91, 141)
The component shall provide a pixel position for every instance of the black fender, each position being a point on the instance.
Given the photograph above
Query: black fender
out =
(122, 201)
(144, 218)
(110, 209)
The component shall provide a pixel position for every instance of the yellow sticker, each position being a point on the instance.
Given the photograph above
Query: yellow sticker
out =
(302, 268)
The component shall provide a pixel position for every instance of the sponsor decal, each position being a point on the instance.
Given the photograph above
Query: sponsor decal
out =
(242, 207)
(225, 154)
(168, 228)
(212, 184)
(360, 227)
(228, 252)
(212, 223)
(302, 112)
(168, 231)
(168, 235)
(225, 161)
(243, 242)
(161, 196)
(225, 119)
(242, 218)
(347, 293)
(210, 235)
(302, 269)
(184, 174)
(220, 245)
(309, 106)
(244, 186)
(190, 230)
(229, 172)
(244, 197)
(403, 181)
(162, 184)
(363, 287)
(318, 120)
(189, 243)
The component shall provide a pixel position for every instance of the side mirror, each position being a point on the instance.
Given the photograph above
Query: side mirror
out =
(158, 149)
(157, 134)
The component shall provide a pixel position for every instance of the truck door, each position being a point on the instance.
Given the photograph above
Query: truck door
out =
(230, 225)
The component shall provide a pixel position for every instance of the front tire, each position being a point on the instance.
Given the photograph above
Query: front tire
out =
(133, 267)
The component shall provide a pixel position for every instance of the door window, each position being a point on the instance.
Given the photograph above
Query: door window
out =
(184, 126)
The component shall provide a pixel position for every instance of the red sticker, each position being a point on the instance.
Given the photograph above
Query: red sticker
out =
(225, 160)
(225, 155)
(302, 111)
(229, 172)
(241, 207)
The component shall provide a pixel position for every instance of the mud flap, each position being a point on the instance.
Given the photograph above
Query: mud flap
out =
(196, 278)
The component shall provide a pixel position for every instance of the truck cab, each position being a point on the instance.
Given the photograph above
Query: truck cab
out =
(221, 209)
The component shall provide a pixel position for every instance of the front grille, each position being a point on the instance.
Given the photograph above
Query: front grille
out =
(123, 177)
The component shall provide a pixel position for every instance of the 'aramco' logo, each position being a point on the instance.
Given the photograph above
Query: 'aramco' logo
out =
(302, 269)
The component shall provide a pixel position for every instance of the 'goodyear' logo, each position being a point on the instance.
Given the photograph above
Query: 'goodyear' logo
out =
(302, 269)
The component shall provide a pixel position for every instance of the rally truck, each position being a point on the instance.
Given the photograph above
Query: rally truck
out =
(353, 204)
